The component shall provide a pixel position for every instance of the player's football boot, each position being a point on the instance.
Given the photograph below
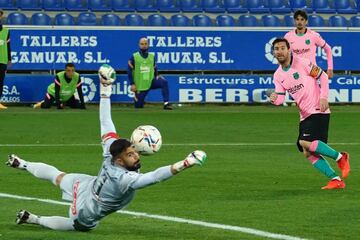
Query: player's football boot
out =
(344, 164)
(2, 106)
(13, 161)
(37, 105)
(335, 184)
(22, 217)
(168, 106)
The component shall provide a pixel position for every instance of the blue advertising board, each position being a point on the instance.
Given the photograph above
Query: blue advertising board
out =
(186, 49)
(183, 88)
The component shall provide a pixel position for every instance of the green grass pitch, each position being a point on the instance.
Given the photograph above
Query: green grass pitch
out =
(246, 182)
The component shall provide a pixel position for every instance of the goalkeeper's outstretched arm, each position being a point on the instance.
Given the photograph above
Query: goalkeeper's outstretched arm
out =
(143, 180)
(106, 123)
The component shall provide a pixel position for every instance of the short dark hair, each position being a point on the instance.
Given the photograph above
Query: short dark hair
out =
(69, 65)
(280, 39)
(301, 13)
(118, 146)
(1, 12)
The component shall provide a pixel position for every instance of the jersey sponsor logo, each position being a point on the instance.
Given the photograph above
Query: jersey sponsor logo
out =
(295, 88)
(144, 69)
(301, 51)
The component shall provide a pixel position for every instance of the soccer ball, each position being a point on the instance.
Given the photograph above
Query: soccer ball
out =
(146, 139)
(107, 74)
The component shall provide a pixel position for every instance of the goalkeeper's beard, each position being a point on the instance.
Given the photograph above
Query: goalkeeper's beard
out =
(135, 167)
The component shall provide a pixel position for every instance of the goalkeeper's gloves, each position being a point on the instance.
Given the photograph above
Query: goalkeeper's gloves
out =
(197, 157)
(105, 87)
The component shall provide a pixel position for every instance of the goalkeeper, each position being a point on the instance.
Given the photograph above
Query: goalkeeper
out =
(62, 90)
(94, 197)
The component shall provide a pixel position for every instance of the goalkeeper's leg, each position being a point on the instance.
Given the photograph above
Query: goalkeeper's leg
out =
(39, 170)
(53, 222)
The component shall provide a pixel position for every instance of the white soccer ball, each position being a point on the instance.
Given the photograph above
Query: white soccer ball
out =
(146, 139)
(107, 74)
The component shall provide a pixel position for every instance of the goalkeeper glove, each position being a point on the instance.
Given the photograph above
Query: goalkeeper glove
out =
(105, 87)
(197, 157)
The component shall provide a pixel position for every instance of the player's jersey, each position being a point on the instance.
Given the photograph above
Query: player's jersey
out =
(305, 45)
(300, 81)
(110, 191)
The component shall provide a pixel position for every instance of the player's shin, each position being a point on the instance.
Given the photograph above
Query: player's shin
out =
(322, 148)
(57, 223)
(323, 166)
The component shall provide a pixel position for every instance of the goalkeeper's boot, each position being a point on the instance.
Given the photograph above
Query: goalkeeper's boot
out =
(2, 106)
(16, 162)
(22, 217)
(334, 184)
(37, 105)
(344, 164)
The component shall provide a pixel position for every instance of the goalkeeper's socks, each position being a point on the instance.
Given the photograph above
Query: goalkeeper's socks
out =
(22, 163)
(322, 148)
(43, 171)
(323, 166)
(34, 219)
(57, 223)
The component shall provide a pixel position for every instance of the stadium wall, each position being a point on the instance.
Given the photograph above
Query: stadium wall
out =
(187, 48)
(46, 49)
(183, 88)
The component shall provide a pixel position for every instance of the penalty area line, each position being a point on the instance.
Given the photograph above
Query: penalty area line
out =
(246, 230)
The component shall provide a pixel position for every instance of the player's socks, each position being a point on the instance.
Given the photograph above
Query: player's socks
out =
(43, 171)
(322, 148)
(57, 223)
(34, 219)
(323, 166)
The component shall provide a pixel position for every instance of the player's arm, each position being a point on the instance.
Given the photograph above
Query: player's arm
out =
(320, 42)
(318, 74)
(8, 47)
(107, 126)
(143, 180)
(277, 97)
(156, 73)
(131, 66)
(80, 93)
(57, 93)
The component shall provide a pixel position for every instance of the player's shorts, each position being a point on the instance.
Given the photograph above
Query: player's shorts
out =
(75, 188)
(314, 127)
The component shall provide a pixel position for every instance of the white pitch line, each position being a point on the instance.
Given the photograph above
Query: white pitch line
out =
(169, 144)
(251, 231)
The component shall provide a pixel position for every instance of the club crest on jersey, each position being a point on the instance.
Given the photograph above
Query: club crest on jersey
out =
(296, 76)
(307, 41)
